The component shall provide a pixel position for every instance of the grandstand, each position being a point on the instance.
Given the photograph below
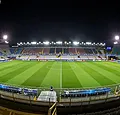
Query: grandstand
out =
(38, 51)
(116, 50)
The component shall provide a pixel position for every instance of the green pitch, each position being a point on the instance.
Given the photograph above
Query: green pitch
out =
(60, 74)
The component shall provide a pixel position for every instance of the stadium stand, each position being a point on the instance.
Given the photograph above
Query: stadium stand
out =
(18, 50)
(4, 49)
(52, 50)
(80, 51)
(45, 51)
(12, 50)
(65, 50)
(116, 50)
(72, 50)
(38, 53)
(95, 51)
(58, 50)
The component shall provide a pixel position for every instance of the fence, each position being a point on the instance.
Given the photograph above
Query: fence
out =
(61, 91)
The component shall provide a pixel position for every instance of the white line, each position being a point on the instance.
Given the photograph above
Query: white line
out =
(61, 75)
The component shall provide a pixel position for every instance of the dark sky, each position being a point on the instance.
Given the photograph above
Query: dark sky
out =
(83, 20)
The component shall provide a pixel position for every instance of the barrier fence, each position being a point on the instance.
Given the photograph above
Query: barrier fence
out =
(15, 96)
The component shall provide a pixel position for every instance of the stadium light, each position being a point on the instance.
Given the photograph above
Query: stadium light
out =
(6, 42)
(18, 44)
(59, 42)
(46, 43)
(65, 42)
(88, 43)
(116, 42)
(21, 43)
(5, 37)
(33, 43)
(117, 37)
(75, 43)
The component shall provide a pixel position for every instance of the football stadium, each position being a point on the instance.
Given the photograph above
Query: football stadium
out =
(58, 75)
(59, 57)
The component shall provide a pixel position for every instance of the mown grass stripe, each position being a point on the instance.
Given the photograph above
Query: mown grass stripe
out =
(109, 68)
(107, 74)
(73, 67)
(7, 65)
(69, 78)
(100, 78)
(8, 77)
(84, 77)
(37, 78)
(22, 77)
(13, 68)
(52, 78)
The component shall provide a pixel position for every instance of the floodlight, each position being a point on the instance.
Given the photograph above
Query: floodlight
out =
(33, 43)
(21, 43)
(75, 43)
(88, 43)
(116, 42)
(59, 42)
(6, 42)
(116, 37)
(46, 43)
(5, 37)
(65, 42)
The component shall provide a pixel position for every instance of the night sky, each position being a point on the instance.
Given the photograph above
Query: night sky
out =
(41, 20)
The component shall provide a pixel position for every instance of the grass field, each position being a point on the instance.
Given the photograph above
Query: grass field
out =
(60, 74)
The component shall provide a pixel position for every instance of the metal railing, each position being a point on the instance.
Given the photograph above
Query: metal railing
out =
(53, 110)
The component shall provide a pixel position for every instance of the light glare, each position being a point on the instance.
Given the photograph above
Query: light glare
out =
(33, 43)
(75, 43)
(5, 37)
(116, 37)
